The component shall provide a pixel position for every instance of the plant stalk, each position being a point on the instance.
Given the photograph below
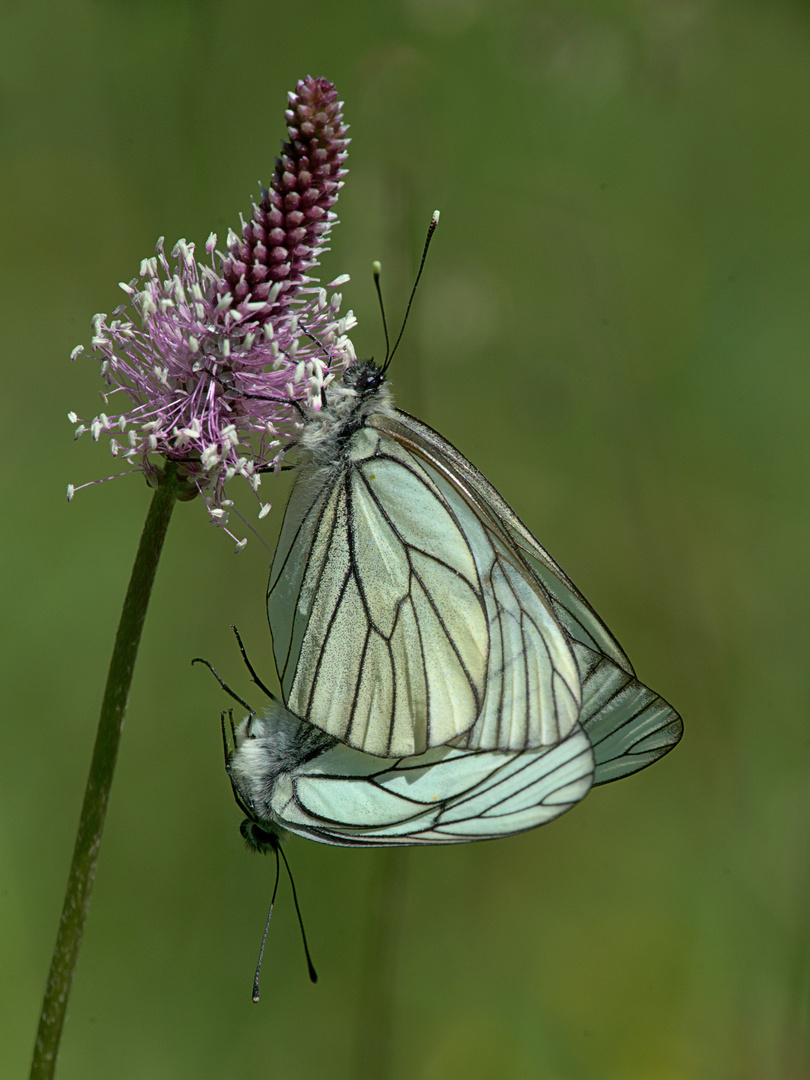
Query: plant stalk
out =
(99, 781)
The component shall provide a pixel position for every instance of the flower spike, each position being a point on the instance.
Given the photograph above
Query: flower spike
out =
(220, 361)
(288, 229)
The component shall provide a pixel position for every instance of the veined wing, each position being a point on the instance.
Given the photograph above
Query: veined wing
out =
(629, 725)
(402, 617)
(445, 795)
(570, 607)
(375, 600)
(533, 693)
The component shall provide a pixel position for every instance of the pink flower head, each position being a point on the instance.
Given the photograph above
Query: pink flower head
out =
(220, 362)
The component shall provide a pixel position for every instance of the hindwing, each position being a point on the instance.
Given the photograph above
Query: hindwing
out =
(570, 607)
(629, 725)
(445, 795)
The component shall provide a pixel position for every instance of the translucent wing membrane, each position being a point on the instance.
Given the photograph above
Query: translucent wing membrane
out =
(445, 795)
(375, 601)
(570, 607)
(628, 725)
(533, 693)
(404, 617)
(412, 609)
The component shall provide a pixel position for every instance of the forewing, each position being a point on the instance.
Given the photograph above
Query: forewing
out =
(379, 620)
(445, 795)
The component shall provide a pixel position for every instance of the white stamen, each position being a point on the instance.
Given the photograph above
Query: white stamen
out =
(209, 457)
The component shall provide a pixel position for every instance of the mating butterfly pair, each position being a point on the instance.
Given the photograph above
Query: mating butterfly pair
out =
(443, 679)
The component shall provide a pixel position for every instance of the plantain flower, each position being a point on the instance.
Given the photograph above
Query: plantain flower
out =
(213, 364)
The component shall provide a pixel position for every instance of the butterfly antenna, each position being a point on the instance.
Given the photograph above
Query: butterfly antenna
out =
(313, 974)
(376, 270)
(262, 397)
(266, 928)
(250, 668)
(434, 221)
(222, 683)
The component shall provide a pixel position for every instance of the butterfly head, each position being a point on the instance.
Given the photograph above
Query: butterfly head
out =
(268, 745)
(258, 838)
(362, 392)
(363, 379)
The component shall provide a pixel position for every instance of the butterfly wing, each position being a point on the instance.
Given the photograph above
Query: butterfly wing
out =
(629, 725)
(533, 692)
(570, 606)
(442, 796)
(376, 605)
(402, 617)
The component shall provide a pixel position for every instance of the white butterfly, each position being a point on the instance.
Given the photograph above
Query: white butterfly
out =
(412, 609)
(287, 775)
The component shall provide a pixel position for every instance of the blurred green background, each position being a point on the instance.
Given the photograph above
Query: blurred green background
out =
(614, 325)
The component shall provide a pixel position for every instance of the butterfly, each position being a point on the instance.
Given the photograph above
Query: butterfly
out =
(412, 610)
(288, 776)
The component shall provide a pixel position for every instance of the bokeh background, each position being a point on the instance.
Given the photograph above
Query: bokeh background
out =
(614, 324)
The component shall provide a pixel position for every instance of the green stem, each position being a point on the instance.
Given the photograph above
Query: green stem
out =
(99, 782)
